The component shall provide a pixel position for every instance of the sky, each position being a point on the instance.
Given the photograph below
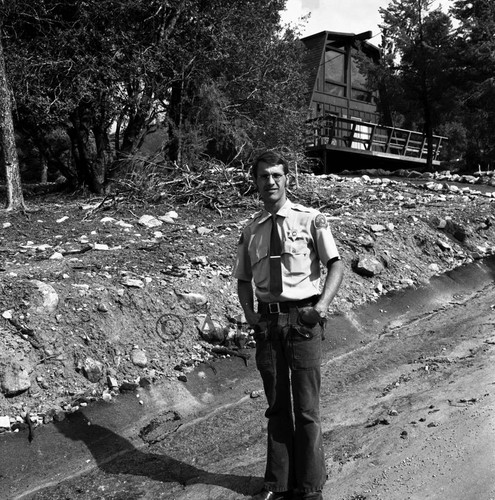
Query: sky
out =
(347, 16)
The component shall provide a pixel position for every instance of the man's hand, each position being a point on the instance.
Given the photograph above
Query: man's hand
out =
(311, 316)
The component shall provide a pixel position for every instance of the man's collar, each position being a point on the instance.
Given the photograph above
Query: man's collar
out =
(282, 212)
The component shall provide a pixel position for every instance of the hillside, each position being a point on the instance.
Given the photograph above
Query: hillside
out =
(99, 296)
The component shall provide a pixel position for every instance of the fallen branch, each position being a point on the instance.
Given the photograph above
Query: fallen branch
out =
(231, 352)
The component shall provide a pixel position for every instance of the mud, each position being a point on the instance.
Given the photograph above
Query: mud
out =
(407, 405)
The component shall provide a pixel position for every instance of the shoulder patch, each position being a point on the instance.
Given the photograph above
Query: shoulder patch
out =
(320, 221)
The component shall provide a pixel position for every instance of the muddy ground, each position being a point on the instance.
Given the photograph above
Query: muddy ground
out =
(96, 303)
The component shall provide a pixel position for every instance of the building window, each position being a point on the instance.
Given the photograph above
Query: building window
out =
(359, 89)
(335, 72)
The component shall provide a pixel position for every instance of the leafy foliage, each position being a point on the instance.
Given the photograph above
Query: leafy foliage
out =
(218, 78)
(416, 55)
(475, 81)
(438, 77)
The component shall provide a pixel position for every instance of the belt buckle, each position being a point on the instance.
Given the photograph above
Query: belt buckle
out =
(274, 307)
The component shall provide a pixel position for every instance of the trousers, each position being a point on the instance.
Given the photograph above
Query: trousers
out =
(288, 357)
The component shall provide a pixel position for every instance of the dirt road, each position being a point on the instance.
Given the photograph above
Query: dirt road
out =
(408, 413)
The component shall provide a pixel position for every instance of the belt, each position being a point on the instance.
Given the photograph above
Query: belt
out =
(285, 306)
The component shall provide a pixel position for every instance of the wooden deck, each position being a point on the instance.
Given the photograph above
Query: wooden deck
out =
(329, 135)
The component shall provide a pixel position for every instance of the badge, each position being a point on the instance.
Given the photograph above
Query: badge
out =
(292, 235)
(320, 221)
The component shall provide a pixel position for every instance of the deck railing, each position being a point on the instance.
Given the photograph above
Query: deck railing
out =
(350, 133)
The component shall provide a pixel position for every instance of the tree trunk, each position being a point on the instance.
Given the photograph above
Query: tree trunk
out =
(44, 169)
(15, 198)
(90, 149)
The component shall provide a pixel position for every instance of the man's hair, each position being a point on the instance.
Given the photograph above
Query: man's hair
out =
(271, 158)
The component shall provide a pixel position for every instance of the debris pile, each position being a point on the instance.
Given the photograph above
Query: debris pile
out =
(108, 295)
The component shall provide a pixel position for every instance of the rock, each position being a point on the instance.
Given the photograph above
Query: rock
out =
(469, 179)
(168, 220)
(138, 358)
(4, 422)
(14, 380)
(56, 256)
(102, 307)
(378, 228)
(104, 220)
(42, 382)
(106, 396)
(149, 221)
(256, 394)
(444, 245)
(54, 415)
(100, 246)
(144, 382)
(133, 283)
(442, 224)
(434, 186)
(368, 266)
(50, 297)
(92, 369)
(123, 224)
(435, 268)
(172, 214)
(196, 299)
(112, 382)
(366, 240)
(200, 259)
(128, 387)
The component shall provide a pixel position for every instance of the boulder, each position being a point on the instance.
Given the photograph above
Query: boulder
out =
(92, 369)
(368, 266)
(14, 380)
(49, 297)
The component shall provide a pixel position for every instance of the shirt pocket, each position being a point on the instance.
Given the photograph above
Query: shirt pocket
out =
(296, 256)
(259, 265)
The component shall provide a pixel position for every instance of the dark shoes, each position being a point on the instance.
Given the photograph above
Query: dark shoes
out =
(273, 495)
(315, 495)
(287, 495)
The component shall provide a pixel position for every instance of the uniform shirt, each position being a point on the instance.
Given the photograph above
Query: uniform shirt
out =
(306, 241)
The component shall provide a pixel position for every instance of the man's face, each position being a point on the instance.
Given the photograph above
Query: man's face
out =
(271, 182)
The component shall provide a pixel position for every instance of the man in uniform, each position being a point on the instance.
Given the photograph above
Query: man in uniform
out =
(281, 250)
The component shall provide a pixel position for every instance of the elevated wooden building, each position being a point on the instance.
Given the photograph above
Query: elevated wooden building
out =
(345, 129)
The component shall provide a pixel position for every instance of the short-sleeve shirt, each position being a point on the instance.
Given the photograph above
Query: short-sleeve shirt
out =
(307, 241)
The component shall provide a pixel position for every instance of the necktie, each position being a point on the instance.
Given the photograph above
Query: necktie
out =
(275, 259)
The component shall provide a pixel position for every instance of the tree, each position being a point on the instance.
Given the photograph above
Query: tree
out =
(15, 198)
(475, 80)
(206, 70)
(417, 46)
